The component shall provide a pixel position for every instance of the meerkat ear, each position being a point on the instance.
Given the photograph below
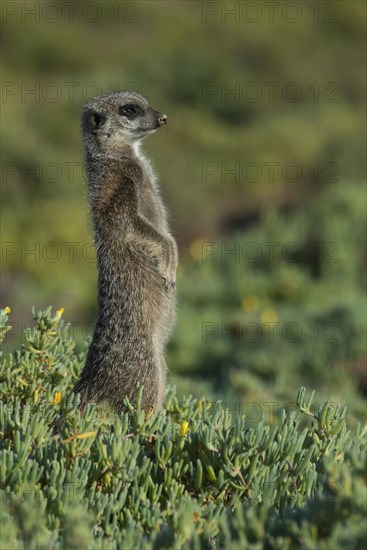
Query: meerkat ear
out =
(96, 120)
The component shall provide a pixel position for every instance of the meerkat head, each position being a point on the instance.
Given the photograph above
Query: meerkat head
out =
(115, 120)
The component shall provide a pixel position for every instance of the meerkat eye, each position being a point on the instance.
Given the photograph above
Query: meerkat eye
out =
(130, 110)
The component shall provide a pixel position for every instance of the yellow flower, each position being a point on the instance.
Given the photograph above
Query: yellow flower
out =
(58, 314)
(7, 310)
(57, 397)
(269, 316)
(250, 303)
(184, 428)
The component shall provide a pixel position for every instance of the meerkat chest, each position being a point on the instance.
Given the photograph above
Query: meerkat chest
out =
(150, 205)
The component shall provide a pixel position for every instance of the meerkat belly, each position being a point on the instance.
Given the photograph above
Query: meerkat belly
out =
(130, 281)
(156, 303)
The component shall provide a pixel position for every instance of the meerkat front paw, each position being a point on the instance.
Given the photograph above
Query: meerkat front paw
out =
(169, 285)
(172, 265)
(168, 273)
(169, 278)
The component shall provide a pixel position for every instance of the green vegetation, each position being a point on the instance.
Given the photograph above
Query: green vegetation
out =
(255, 323)
(192, 476)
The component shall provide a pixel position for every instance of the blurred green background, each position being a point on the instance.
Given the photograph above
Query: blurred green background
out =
(264, 152)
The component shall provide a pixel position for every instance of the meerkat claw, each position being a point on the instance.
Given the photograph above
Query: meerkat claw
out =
(169, 285)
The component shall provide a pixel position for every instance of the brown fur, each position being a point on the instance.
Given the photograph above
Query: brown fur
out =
(137, 257)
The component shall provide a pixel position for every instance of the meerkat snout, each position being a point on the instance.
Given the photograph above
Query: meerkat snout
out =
(162, 119)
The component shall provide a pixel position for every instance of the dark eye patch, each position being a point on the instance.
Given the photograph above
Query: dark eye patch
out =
(130, 110)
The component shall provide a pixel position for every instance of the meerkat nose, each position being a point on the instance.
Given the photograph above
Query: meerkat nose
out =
(162, 119)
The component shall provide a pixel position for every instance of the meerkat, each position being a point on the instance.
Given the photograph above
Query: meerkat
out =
(136, 256)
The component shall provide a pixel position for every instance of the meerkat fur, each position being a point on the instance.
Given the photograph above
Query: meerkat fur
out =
(136, 256)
